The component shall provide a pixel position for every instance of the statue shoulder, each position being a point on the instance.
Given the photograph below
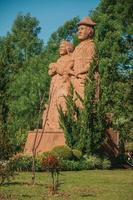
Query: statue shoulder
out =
(90, 43)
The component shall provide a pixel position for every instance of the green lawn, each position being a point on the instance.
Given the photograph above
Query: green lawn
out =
(95, 184)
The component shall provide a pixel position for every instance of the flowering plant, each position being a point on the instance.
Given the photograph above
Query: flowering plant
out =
(51, 164)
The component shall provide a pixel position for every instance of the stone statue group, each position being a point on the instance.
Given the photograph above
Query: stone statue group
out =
(71, 68)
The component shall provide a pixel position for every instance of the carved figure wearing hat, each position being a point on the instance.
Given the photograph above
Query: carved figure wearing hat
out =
(83, 54)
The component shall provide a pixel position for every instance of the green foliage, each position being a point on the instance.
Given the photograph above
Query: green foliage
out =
(17, 49)
(129, 146)
(72, 165)
(106, 164)
(86, 164)
(77, 154)
(28, 94)
(62, 152)
(84, 128)
(24, 36)
(114, 40)
(23, 162)
(7, 170)
(94, 162)
(69, 121)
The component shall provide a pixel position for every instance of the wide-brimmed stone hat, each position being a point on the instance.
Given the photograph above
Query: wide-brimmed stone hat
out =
(87, 21)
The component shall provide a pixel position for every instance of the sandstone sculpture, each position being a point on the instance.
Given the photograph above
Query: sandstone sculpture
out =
(60, 83)
(69, 68)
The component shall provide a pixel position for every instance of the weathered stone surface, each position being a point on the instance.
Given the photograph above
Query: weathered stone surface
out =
(45, 141)
(60, 83)
(83, 56)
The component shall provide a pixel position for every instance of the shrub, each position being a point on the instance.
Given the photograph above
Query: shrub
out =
(7, 170)
(51, 164)
(129, 147)
(94, 162)
(62, 152)
(77, 154)
(106, 164)
(43, 155)
(70, 165)
(22, 162)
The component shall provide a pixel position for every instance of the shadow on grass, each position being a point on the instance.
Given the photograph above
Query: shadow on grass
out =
(20, 184)
(88, 195)
(85, 192)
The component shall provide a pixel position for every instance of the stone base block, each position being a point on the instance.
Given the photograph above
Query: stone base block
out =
(43, 141)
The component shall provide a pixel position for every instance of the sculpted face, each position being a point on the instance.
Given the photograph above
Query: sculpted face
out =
(62, 49)
(84, 32)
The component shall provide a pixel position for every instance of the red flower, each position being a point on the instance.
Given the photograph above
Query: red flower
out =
(50, 163)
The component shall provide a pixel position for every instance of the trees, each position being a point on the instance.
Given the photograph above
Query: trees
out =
(17, 50)
(115, 43)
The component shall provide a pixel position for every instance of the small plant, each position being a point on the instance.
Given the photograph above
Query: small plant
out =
(22, 162)
(51, 164)
(106, 164)
(6, 170)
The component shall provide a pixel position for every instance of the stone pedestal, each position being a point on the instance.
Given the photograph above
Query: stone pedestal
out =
(43, 141)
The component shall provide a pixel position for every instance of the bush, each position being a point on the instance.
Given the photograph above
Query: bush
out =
(44, 155)
(77, 154)
(106, 164)
(129, 147)
(70, 165)
(7, 170)
(62, 152)
(22, 162)
(94, 162)
(50, 164)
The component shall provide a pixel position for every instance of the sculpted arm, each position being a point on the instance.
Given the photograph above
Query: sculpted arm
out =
(52, 69)
(65, 68)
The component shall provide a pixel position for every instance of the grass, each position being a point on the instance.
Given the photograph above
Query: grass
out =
(82, 185)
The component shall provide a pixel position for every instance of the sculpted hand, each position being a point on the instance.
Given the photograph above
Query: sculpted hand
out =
(52, 69)
(70, 72)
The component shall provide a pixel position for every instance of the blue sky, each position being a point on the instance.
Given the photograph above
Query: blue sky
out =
(50, 13)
